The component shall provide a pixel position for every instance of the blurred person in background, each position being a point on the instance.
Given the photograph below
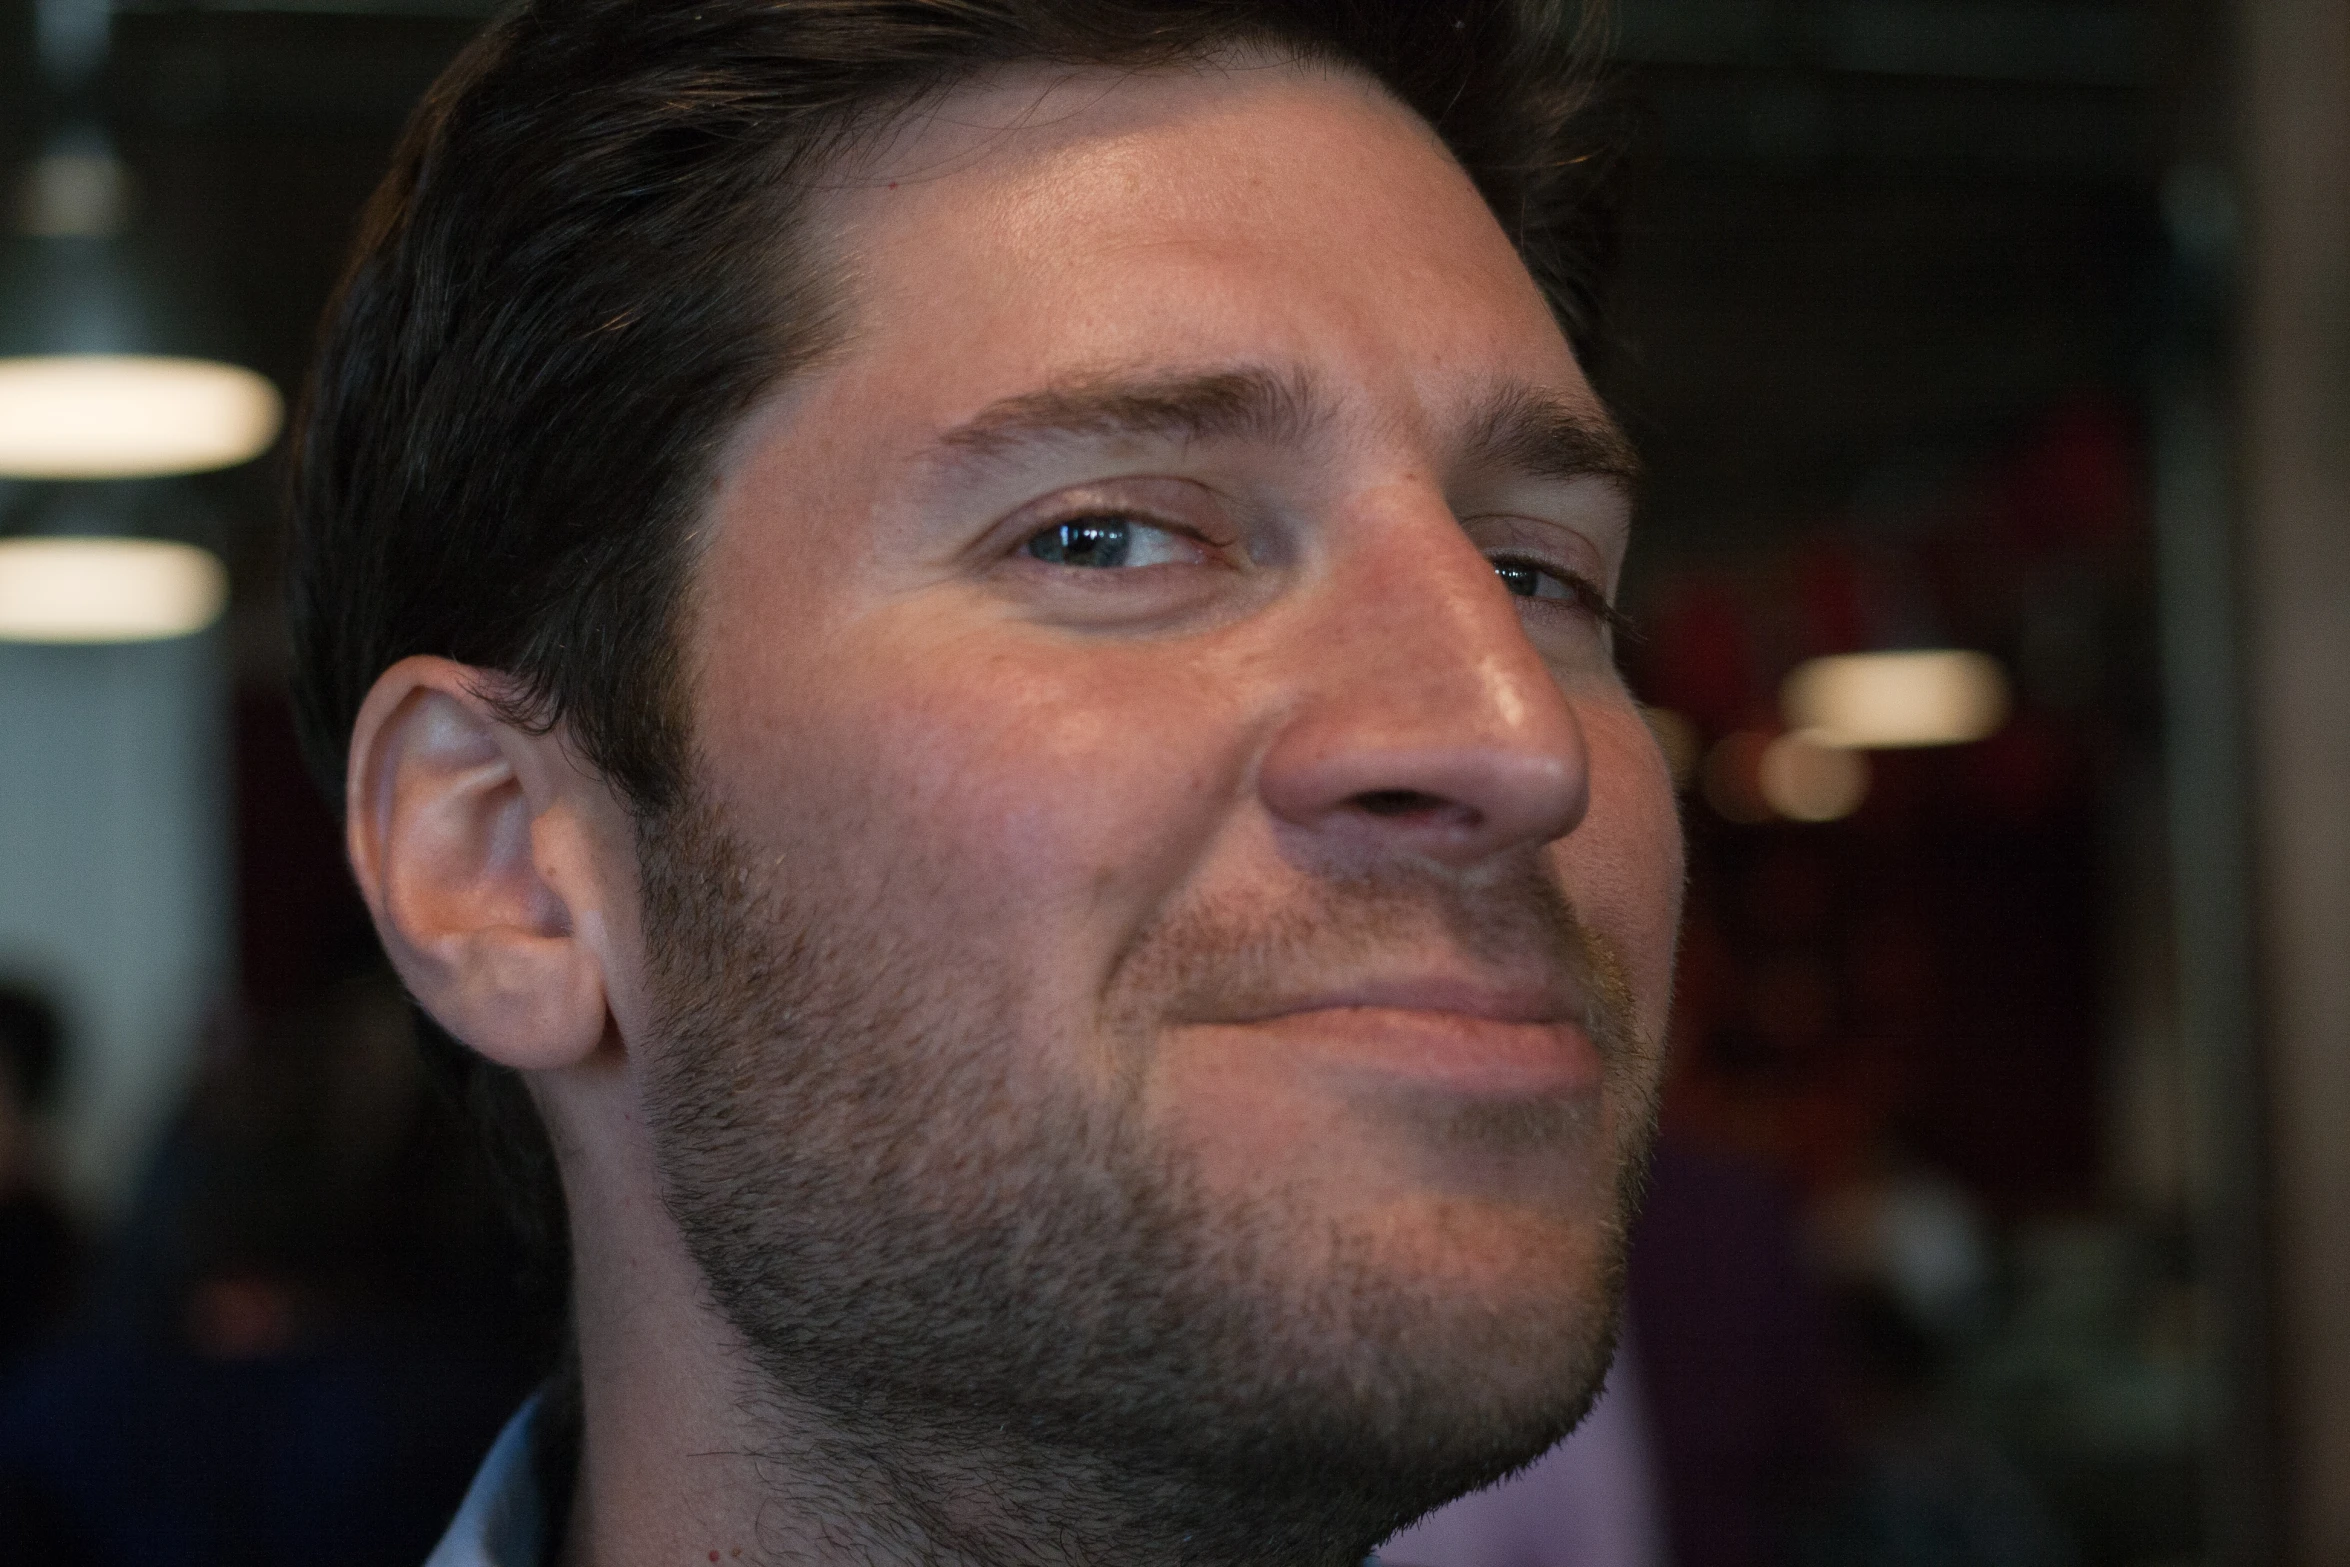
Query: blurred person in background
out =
(39, 1251)
(969, 652)
(306, 1324)
(1905, 1256)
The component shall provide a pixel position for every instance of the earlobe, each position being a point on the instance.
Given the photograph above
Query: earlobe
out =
(465, 834)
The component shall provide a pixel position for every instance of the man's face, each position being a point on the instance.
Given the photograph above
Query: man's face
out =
(1177, 923)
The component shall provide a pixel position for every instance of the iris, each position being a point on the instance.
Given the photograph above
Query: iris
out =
(1088, 541)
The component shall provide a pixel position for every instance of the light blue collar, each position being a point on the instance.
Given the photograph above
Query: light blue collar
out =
(502, 1521)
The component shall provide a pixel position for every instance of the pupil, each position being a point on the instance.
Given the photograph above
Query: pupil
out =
(1097, 541)
(1524, 581)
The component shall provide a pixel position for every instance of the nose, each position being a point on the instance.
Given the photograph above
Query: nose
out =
(1427, 724)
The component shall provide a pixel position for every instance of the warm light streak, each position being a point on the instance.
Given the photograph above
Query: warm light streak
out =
(127, 416)
(1880, 700)
(106, 590)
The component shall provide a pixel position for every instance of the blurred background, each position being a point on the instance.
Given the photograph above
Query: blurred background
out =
(1992, 358)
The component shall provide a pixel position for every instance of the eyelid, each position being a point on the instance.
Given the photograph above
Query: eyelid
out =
(1554, 546)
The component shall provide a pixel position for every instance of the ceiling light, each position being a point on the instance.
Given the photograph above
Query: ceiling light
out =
(127, 416)
(106, 590)
(1806, 780)
(1896, 699)
(74, 193)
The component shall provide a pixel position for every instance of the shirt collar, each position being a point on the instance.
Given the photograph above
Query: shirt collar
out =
(502, 1521)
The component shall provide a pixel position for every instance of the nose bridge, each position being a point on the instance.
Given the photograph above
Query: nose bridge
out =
(1447, 621)
(1433, 642)
(1426, 717)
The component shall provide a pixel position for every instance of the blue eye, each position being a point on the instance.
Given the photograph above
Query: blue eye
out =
(1528, 580)
(1521, 579)
(1087, 541)
(1107, 541)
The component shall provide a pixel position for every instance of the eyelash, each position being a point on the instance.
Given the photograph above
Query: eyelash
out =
(1583, 593)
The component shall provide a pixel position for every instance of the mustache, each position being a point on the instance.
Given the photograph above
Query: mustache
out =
(1236, 956)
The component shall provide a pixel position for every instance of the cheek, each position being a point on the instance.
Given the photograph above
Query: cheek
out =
(1624, 865)
(1035, 802)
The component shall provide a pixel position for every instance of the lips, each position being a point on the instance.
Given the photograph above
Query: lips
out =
(1437, 1035)
(1438, 994)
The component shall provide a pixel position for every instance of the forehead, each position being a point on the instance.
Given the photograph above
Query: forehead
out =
(1044, 223)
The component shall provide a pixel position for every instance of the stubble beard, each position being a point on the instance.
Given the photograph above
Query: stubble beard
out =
(1001, 1320)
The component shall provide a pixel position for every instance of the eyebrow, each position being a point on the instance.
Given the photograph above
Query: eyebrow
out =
(1515, 428)
(1526, 430)
(1228, 405)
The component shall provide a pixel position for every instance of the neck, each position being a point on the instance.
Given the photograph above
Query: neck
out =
(805, 1492)
(740, 1473)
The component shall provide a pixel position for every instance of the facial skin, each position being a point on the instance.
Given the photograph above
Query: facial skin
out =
(1138, 1049)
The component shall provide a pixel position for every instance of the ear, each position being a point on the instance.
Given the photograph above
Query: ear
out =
(486, 855)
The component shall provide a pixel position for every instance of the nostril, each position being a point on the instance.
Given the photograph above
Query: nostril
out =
(1402, 802)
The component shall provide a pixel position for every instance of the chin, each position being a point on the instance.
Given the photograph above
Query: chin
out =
(1436, 1377)
(1445, 1338)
